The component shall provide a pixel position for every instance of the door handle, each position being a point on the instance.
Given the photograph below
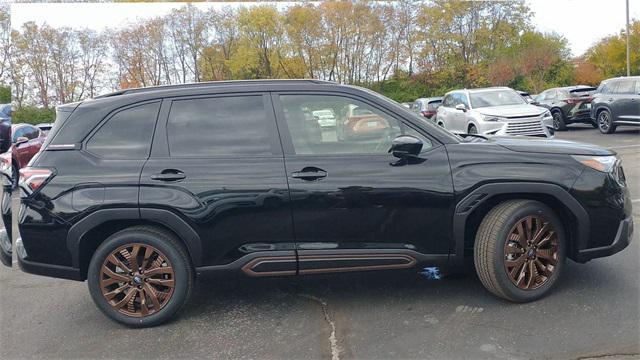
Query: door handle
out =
(169, 175)
(309, 173)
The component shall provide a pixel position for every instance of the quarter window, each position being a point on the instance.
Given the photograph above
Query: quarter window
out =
(625, 87)
(359, 128)
(127, 134)
(219, 126)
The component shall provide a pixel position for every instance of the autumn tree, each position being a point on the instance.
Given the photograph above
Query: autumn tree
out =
(609, 54)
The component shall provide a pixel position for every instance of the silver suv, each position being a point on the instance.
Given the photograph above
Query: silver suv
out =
(493, 111)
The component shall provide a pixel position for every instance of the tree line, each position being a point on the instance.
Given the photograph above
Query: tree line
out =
(404, 49)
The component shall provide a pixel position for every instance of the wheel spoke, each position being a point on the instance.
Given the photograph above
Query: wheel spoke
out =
(125, 300)
(115, 261)
(159, 271)
(531, 272)
(113, 293)
(145, 258)
(144, 309)
(153, 295)
(522, 236)
(113, 277)
(547, 238)
(162, 282)
(548, 255)
(134, 257)
(541, 232)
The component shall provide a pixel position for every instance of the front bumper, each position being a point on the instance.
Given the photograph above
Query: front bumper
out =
(621, 241)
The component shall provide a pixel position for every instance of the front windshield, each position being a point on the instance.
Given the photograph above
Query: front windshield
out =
(495, 98)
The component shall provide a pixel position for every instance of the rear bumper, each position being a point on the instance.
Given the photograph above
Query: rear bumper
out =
(621, 241)
(36, 268)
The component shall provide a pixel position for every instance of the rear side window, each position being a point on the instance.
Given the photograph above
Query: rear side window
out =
(434, 104)
(127, 134)
(625, 87)
(220, 126)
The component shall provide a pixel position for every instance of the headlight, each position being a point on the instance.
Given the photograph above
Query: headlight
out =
(546, 114)
(599, 163)
(493, 118)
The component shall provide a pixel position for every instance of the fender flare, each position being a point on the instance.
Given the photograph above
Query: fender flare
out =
(173, 222)
(480, 195)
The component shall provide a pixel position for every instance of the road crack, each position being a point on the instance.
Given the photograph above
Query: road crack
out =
(333, 340)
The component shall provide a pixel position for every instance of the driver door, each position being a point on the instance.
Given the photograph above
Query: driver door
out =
(349, 193)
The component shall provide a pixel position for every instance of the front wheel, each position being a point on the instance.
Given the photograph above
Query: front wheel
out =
(140, 276)
(519, 250)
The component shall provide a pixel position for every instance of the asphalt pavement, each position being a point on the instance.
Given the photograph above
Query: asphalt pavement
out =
(594, 311)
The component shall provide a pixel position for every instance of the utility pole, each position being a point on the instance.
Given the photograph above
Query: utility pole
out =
(628, 59)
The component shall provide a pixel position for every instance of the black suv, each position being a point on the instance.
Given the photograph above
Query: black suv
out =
(617, 102)
(140, 191)
(568, 105)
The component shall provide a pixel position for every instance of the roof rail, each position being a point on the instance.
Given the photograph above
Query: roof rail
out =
(205, 84)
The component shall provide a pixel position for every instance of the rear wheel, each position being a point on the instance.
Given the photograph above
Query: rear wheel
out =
(558, 121)
(140, 276)
(605, 124)
(519, 250)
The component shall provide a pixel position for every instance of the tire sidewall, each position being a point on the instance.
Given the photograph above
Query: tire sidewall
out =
(181, 270)
(510, 289)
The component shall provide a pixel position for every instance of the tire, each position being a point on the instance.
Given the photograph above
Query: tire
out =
(472, 129)
(492, 258)
(605, 123)
(167, 250)
(559, 123)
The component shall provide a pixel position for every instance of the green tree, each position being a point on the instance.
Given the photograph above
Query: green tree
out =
(609, 55)
(5, 94)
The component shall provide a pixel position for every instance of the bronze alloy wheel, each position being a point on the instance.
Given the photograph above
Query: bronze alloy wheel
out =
(531, 252)
(137, 280)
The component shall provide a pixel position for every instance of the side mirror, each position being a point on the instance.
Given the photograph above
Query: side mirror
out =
(461, 107)
(21, 140)
(406, 147)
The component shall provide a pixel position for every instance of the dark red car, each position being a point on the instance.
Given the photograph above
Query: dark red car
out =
(26, 141)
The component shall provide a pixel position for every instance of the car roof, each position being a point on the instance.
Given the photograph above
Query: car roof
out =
(213, 84)
(479, 90)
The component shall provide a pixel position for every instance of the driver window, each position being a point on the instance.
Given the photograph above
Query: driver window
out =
(334, 125)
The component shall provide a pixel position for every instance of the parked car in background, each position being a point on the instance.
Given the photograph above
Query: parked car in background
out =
(568, 105)
(27, 141)
(45, 127)
(139, 214)
(493, 111)
(5, 127)
(615, 103)
(426, 107)
(325, 117)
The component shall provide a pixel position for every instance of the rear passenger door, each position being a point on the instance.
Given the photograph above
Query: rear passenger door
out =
(217, 163)
(626, 103)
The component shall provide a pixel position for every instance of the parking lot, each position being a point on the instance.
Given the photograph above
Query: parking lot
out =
(594, 311)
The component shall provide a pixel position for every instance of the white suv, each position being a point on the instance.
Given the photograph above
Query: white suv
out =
(493, 111)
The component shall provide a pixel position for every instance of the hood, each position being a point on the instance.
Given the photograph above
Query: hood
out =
(549, 146)
(512, 110)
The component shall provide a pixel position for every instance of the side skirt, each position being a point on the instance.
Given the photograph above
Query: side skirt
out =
(280, 263)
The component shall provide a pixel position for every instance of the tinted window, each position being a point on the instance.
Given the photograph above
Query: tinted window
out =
(28, 131)
(221, 126)
(127, 134)
(434, 104)
(361, 129)
(448, 101)
(625, 87)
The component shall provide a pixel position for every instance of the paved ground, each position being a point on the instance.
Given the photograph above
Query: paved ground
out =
(593, 312)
